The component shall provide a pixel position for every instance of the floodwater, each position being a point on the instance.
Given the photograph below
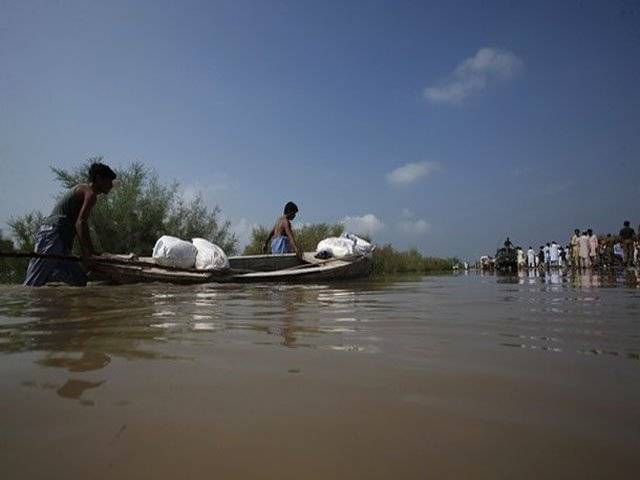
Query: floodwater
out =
(465, 376)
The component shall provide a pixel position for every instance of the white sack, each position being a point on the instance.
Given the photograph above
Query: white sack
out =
(209, 255)
(173, 252)
(338, 246)
(360, 246)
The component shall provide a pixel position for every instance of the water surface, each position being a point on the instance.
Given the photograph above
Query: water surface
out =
(464, 376)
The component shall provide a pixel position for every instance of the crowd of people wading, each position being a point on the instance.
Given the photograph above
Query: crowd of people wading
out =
(584, 250)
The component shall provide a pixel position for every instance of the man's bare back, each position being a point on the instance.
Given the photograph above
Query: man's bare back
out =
(281, 236)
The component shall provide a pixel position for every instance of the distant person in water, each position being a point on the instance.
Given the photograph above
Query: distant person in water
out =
(531, 258)
(618, 253)
(547, 256)
(609, 242)
(583, 246)
(69, 219)
(281, 236)
(628, 237)
(593, 248)
(541, 257)
(575, 248)
(554, 254)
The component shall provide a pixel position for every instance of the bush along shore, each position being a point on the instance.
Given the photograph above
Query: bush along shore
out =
(386, 259)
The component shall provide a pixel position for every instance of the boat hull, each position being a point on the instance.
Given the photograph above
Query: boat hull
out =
(244, 269)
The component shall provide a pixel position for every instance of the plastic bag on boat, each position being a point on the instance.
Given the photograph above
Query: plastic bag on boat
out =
(346, 245)
(360, 246)
(173, 252)
(210, 255)
(337, 246)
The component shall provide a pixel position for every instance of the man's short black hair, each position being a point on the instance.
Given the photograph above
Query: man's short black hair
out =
(626, 223)
(290, 207)
(100, 170)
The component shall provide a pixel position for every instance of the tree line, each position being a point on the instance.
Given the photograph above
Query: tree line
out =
(142, 209)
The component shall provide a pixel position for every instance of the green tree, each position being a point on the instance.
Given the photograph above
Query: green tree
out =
(24, 229)
(138, 211)
(11, 269)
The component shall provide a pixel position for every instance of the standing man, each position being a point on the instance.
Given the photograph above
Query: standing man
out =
(627, 237)
(618, 253)
(563, 257)
(541, 257)
(547, 254)
(69, 219)
(554, 254)
(281, 236)
(593, 248)
(583, 248)
(531, 258)
(520, 257)
(567, 255)
(575, 248)
(609, 241)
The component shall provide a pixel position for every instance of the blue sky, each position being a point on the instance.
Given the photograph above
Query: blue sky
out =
(439, 125)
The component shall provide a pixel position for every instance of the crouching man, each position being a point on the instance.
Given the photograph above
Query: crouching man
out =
(69, 218)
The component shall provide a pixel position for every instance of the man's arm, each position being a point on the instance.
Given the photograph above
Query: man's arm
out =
(82, 224)
(292, 240)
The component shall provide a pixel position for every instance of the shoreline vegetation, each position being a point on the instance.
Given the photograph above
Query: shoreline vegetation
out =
(386, 259)
(142, 208)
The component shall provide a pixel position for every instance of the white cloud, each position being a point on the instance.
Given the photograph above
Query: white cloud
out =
(368, 223)
(213, 187)
(413, 227)
(406, 213)
(552, 187)
(411, 172)
(474, 74)
(242, 228)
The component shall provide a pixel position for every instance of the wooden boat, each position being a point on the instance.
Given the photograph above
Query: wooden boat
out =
(125, 269)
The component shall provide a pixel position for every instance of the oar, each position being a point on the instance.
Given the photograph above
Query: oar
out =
(70, 258)
(52, 256)
(116, 260)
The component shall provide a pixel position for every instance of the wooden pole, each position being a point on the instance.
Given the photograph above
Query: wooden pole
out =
(52, 256)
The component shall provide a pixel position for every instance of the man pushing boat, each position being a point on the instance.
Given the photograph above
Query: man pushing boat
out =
(281, 236)
(69, 218)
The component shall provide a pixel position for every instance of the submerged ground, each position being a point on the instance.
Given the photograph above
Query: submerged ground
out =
(464, 376)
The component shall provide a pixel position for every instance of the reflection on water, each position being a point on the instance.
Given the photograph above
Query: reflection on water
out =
(236, 357)
(574, 312)
(75, 388)
(80, 330)
(87, 361)
(582, 278)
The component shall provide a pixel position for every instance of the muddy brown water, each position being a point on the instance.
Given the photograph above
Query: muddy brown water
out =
(465, 376)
